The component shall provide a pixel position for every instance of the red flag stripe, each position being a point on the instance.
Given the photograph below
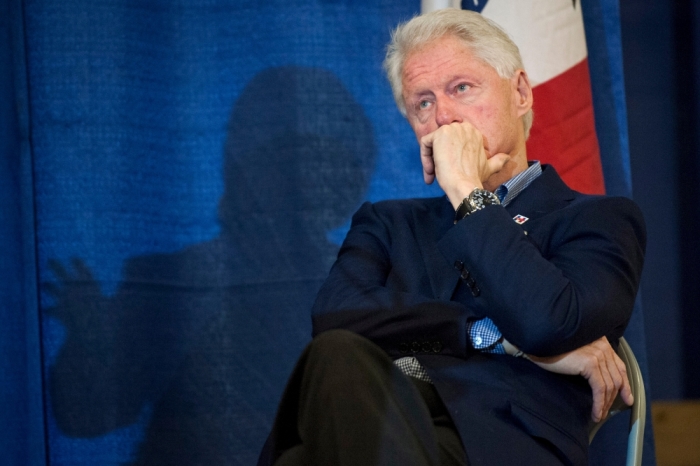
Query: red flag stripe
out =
(563, 133)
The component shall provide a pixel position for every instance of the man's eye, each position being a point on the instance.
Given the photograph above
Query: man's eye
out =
(423, 104)
(462, 87)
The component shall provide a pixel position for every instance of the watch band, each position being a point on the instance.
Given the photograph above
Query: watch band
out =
(477, 200)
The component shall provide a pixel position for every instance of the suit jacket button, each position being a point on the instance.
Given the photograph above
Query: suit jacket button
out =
(426, 347)
(459, 265)
(403, 347)
(415, 347)
(437, 346)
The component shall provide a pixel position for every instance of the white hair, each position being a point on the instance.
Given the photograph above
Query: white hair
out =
(484, 38)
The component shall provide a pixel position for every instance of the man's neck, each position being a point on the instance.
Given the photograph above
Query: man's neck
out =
(515, 165)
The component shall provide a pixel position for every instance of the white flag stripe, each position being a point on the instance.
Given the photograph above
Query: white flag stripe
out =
(426, 6)
(549, 33)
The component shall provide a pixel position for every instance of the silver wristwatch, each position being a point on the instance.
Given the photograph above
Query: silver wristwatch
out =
(477, 200)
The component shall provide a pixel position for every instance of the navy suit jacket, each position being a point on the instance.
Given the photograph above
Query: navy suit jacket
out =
(560, 280)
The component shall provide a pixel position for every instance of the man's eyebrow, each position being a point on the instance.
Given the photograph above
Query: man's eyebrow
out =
(420, 94)
(463, 77)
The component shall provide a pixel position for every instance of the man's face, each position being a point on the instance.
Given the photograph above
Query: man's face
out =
(444, 82)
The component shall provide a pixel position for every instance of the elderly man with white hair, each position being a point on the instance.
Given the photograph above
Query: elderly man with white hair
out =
(478, 327)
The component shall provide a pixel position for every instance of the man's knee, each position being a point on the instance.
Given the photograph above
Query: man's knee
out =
(345, 354)
(336, 340)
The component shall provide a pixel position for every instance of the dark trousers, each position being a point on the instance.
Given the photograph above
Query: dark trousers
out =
(346, 403)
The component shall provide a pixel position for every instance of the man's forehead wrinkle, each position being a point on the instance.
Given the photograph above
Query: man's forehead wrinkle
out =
(415, 74)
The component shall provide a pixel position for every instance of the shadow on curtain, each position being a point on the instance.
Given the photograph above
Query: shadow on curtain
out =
(208, 335)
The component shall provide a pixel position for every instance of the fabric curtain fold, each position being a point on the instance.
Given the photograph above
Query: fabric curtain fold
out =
(22, 415)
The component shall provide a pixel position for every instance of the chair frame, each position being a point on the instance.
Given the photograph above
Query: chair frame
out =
(635, 440)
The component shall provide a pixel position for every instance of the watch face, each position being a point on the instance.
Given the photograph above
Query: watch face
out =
(477, 200)
(480, 198)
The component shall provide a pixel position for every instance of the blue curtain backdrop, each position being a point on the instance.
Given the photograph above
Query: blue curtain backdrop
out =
(175, 179)
(603, 38)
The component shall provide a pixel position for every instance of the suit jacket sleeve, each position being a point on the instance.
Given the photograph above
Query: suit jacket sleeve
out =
(560, 286)
(570, 280)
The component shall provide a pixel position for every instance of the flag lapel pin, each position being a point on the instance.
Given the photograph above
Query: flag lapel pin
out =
(520, 219)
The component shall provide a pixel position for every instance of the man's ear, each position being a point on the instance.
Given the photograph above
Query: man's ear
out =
(523, 92)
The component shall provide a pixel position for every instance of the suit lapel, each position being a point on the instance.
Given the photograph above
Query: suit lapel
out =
(544, 195)
(432, 221)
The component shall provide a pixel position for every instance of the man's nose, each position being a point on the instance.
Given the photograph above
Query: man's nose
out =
(446, 112)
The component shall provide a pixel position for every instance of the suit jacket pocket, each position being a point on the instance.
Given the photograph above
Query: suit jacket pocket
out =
(563, 441)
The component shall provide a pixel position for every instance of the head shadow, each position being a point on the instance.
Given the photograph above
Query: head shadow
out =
(298, 156)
